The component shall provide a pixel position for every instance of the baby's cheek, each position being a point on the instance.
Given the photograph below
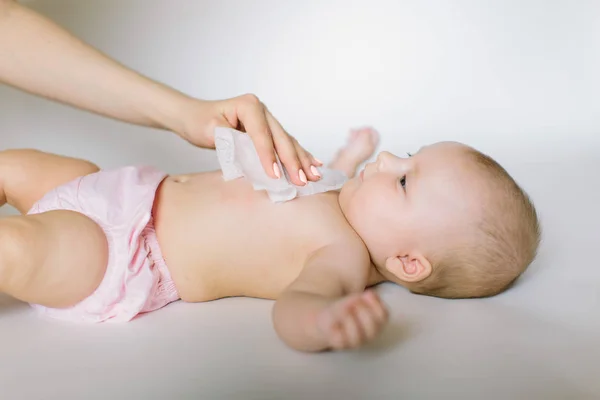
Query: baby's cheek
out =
(364, 212)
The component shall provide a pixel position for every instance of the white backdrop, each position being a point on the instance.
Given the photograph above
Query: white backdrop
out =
(498, 75)
(518, 79)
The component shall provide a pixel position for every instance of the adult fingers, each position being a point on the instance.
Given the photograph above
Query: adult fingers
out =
(252, 114)
(308, 162)
(286, 150)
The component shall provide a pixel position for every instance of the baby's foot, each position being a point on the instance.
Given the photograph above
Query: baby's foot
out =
(361, 145)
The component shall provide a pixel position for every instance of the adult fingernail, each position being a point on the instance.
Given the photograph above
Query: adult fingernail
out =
(276, 170)
(319, 161)
(315, 171)
(302, 176)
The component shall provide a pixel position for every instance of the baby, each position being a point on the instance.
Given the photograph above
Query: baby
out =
(95, 245)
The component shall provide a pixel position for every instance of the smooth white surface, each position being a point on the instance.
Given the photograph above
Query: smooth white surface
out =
(517, 79)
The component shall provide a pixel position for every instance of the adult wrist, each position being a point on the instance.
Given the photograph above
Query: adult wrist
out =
(170, 111)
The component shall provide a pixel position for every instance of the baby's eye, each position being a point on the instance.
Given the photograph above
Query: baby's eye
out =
(403, 182)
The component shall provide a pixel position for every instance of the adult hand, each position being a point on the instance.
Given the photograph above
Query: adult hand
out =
(248, 114)
(28, 40)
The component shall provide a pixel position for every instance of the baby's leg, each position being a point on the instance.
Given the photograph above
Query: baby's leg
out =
(360, 147)
(56, 258)
(27, 175)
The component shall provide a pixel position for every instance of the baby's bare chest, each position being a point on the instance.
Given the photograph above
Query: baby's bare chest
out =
(225, 239)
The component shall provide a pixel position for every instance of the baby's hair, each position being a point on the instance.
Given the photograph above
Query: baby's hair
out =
(503, 243)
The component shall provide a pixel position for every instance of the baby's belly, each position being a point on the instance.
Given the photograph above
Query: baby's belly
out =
(223, 239)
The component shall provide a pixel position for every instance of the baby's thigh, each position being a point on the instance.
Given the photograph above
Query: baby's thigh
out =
(27, 175)
(55, 258)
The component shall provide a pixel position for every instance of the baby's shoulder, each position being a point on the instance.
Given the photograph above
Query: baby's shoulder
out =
(322, 216)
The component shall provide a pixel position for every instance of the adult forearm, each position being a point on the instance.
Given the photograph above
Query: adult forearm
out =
(39, 57)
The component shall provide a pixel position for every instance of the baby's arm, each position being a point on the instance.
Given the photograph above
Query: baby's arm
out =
(327, 307)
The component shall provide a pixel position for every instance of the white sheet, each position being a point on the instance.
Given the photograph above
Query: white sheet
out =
(540, 340)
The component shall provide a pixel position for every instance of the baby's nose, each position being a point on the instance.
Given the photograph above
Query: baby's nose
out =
(385, 159)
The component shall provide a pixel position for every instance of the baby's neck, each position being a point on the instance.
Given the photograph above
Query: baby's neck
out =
(375, 276)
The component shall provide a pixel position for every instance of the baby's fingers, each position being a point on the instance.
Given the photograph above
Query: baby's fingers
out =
(353, 321)
(359, 323)
(369, 324)
(336, 323)
(337, 336)
(353, 333)
(376, 306)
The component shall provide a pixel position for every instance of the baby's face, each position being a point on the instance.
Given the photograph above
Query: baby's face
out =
(413, 206)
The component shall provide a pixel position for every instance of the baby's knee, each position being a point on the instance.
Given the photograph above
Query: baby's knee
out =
(38, 158)
(14, 155)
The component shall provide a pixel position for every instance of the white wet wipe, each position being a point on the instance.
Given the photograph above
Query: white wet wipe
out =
(238, 158)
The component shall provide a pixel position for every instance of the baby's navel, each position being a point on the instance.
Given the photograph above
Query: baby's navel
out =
(180, 178)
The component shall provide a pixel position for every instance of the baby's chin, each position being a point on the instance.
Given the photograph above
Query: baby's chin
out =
(346, 193)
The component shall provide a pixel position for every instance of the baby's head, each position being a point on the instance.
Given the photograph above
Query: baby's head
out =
(447, 222)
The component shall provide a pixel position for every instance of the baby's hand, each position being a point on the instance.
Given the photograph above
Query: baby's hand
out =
(353, 320)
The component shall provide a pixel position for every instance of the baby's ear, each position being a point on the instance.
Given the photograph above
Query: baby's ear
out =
(409, 268)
